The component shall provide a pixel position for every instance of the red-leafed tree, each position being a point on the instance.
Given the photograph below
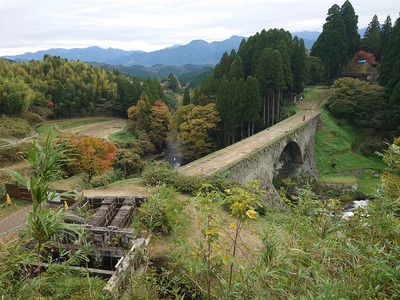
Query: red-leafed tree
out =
(90, 155)
(363, 55)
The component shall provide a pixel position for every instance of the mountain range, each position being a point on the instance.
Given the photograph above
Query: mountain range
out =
(197, 52)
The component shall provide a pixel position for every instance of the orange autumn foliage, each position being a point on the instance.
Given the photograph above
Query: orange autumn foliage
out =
(90, 155)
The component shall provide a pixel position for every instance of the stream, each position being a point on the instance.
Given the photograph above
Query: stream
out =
(348, 210)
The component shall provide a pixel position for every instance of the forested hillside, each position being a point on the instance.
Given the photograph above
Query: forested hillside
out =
(58, 88)
(248, 90)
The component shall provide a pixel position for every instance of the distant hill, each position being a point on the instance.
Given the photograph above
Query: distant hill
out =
(93, 53)
(197, 52)
(309, 37)
(158, 70)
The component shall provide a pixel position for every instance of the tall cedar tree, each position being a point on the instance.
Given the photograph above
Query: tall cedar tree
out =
(236, 70)
(390, 76)
(385, 31)
(299, 65)
(223, 104)
(371, 41)
(237, 109)
(264, 80)
(350, 20)
(332, 44)
(252, 103)
(230, 112)
(222, 68)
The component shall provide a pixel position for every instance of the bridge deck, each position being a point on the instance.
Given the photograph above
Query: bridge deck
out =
(216, 160)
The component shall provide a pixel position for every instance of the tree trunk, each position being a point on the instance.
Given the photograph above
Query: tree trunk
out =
(273, 109)
(268, 110)
(264, 111)
(278, 105)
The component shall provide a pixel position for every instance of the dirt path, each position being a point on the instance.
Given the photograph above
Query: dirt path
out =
(218, 159)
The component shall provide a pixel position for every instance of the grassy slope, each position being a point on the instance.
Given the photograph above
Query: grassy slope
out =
(337, 158)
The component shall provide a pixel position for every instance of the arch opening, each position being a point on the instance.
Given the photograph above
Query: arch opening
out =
(288, 164)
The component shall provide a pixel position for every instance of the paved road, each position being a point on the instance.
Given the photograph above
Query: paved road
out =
(12, 222)
(210, 163)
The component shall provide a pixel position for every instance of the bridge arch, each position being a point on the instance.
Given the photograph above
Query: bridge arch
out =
(289, 162)
(258, 157)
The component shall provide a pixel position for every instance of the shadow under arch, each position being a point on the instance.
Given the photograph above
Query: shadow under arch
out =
(289, 162)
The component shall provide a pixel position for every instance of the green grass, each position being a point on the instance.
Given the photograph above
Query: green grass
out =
(3, 143)
(336, 155)
(43, 130)
(122, 136)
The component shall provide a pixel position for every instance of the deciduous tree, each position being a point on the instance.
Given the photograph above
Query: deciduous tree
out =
(359, 102)
(90, 155)
(140, 114)
(159, 124)
(197, 131)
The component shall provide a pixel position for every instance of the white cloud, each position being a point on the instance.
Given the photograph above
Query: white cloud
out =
(156, 24)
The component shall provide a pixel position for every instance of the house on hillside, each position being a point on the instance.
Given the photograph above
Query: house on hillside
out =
(362, 70)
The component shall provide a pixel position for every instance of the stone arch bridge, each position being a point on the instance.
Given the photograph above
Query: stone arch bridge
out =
(285, 148)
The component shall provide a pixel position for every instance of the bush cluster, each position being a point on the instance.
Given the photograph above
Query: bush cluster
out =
(163, 173)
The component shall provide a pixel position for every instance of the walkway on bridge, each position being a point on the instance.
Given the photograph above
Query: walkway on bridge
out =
(307, 110)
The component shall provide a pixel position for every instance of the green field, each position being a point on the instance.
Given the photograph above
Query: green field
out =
(122, 136)
(78, 122)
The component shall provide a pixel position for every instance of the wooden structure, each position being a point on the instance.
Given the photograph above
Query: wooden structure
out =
(17, 191)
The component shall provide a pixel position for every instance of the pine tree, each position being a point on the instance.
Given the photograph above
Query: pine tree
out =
(390, 76)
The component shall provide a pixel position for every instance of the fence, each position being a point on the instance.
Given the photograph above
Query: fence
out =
(17, 191)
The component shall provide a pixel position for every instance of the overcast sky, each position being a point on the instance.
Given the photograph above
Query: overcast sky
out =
(148, 25)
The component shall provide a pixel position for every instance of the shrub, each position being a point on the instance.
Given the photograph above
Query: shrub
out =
(128, 162)
(33, 118)
(372, 145)
(98, 181)
(165, 174)
(161, 212)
